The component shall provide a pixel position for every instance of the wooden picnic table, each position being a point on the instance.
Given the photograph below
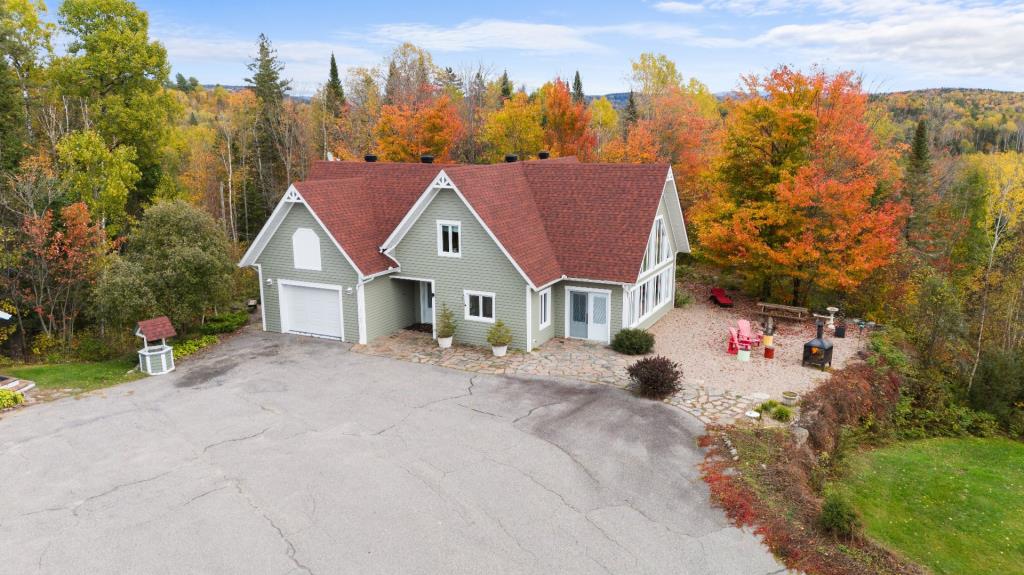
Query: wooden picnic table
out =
(780, 311)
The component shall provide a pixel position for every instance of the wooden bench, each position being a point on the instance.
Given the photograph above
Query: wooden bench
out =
(779, 311)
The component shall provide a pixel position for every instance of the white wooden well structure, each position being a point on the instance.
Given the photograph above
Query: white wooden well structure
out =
(156, 358)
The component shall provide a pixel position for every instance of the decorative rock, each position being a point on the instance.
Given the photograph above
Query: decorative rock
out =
(800, 435)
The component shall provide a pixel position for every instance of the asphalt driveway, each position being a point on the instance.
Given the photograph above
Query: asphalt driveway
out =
(282, 454)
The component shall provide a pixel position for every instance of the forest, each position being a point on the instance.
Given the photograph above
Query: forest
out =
(126, 193)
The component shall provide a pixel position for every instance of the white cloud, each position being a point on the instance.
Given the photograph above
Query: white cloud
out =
(679, 7)
(489, 35)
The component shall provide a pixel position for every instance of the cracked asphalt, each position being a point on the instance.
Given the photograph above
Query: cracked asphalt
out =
(282, 454)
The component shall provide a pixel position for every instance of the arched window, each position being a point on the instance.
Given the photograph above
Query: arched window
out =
(306, 249)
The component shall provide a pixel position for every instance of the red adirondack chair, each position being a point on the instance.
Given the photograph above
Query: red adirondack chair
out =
(720, 298)
(747, 335)
(734, 342)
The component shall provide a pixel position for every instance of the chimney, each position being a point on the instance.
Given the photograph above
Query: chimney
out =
(370, 157)
(511, 158)
(543, 155)
(426, 159)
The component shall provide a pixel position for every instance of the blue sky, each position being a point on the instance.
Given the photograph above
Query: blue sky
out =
(894, 44)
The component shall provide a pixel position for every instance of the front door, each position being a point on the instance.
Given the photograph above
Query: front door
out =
(426, 303)
(588, 315)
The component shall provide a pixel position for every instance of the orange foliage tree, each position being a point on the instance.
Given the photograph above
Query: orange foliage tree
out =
(405, 133)
(795, 187)
(567, 129)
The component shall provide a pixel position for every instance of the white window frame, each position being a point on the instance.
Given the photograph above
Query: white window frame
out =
(568, 310)
(650, 264)
(466, 294)
(440, 244)
(664, 274)
(544, 299)
(306, 250)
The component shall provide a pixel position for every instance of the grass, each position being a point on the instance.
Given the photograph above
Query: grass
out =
(953, 505)
(80, 376)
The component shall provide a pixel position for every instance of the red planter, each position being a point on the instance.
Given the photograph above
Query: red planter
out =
(769, 352)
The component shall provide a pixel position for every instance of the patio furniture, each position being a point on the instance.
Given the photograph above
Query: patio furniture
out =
(156, 359)
(747, 335)
(779, 311)
(720, 298)
(734, 342)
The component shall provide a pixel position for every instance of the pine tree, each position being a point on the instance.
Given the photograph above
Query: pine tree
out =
(506, 86)
(270, 89)
(334, 92)
(918, 176)
(12, 147)
(630, 116)
(266, 80)
(180, 82)
(577, 89)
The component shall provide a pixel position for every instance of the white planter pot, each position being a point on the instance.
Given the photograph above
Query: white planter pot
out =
(445, 342)
(743, 355)
(789, 398)
(499, 350)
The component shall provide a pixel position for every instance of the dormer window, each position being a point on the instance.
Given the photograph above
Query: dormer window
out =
(449, 238)
(306, 249)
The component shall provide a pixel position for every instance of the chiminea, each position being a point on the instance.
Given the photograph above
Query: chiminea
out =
(818, 351)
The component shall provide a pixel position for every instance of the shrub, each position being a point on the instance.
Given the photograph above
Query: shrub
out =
(445, 322)
(655, 377)
(188, 347)
(10, 398)
(683, 299)
(837, 516)
(782, 413)
(768, 406)
(225, 322)
(499, 334)
(48, 348)
(632, 341)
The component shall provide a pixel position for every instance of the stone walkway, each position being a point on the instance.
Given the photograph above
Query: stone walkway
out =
(560, 358)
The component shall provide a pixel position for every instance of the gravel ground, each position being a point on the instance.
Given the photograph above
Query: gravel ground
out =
(697, 335)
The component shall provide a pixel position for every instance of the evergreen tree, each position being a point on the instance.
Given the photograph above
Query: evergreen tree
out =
(270, 89)
(918, 176)
(629, 117)
(506, 85)
(12, 146)
(577, 89)
(180, 82)
(266, 80)
(334, 92)
(391, 84)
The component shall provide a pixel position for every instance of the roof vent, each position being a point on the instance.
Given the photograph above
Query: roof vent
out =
(370, 157)
(543, 155)
(426, 159)
(511, 158)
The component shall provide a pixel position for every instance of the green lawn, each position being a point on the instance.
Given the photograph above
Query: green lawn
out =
(953, 505)
(83, 376)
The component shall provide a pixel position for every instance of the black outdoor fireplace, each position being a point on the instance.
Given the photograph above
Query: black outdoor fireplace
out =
(818, 351)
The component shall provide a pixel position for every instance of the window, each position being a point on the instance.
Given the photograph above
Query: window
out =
(659, 249)
(449, 239)
(652, 295)
(306, 249)
(545, 308)
(479, 306)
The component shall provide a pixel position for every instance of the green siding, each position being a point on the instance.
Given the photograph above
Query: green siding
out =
(482, 267)
(390, 305)
(277, 262)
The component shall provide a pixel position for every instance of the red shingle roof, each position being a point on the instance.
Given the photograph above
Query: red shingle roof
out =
(554, 217)
(156, 328)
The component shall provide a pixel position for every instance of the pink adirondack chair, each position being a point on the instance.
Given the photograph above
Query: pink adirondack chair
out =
(747, 335)
(734, 342)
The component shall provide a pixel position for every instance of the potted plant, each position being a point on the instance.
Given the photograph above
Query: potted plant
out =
(499, 337)
(840, 331)
(789, 398)
(445, 327)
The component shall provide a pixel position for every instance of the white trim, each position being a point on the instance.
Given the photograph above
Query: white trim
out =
(450, 223)
(360, 312)
(655, 271)
(568, 310)
(529, 320)
(292, 196)
(284, 315)
(626, 306)
(442, 181)
(609, 282)
(263, 306)
(657, 306)
(652, 249)
(466, 293)
(544, 310)
(366, 279)
(678, 224)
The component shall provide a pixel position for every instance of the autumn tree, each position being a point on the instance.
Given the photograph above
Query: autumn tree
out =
(100, 178)
(796, 184)
(405, 133)
(514, 129)
(410, 77)
(566, 123)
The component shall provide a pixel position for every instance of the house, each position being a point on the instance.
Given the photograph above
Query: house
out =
(552, 247)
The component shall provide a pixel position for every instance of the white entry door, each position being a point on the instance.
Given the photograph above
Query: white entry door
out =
(426, 302)
(311, 310)
(589, 314)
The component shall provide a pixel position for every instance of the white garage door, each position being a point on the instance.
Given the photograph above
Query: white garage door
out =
(311, 310)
